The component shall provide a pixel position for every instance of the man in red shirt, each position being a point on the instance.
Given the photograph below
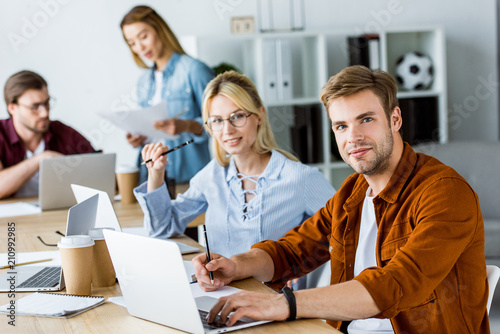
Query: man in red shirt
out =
(29, 136)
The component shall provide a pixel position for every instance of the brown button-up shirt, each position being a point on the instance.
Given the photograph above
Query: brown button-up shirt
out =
(431, 271)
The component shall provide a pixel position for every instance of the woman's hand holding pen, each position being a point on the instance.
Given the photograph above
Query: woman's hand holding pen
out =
(223, 270)
(156, 168)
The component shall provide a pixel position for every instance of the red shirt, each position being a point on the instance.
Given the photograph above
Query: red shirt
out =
(60, 138)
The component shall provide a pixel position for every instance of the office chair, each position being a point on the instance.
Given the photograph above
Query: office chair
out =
(493, 274)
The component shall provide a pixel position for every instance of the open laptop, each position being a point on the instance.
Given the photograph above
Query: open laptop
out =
(81, 217)
(106, 215)
(140, 261)
(95, 170)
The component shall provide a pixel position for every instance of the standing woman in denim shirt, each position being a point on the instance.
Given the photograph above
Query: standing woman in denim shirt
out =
(174, 77)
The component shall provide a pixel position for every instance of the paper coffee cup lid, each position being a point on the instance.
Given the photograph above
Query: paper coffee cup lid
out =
(75, 241)
(96, 233)
(123, 169)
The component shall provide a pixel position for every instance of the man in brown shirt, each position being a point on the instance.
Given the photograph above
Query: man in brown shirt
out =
(404, 234)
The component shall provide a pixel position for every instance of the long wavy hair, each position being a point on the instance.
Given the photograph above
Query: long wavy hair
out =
(148, 15)
(241, 90)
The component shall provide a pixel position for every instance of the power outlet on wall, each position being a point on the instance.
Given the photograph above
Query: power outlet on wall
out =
(242, 25)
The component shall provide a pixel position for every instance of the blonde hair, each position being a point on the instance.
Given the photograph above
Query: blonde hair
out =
(241, 90)
(148, 15)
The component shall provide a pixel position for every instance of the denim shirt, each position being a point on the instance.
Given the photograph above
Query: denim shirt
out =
(286, 193)
(184, 80)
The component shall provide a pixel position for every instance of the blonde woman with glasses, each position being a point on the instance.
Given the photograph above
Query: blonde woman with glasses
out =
(251, 191)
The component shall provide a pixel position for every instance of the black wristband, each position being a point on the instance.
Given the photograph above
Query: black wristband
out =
(292, 305)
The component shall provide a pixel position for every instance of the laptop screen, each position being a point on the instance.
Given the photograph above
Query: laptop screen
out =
(96, 170)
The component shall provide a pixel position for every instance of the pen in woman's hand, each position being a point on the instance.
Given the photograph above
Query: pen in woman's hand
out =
(208, 253)
(171, 150)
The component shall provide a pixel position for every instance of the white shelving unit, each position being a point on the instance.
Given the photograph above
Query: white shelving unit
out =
(315, 57)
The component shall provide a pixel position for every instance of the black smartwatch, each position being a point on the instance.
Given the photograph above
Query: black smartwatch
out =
(292, 305)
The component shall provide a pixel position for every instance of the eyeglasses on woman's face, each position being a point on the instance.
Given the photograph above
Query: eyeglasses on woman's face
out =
(237, 119)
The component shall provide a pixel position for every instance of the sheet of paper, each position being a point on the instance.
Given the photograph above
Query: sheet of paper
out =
(221, 292)
(18, 209)
(33, 256)
(140, 121)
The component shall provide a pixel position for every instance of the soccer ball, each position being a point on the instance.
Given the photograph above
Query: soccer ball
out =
(414, 71)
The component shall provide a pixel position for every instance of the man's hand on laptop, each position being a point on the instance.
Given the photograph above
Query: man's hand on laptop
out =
(254, 305)
(223, 270)
(48, 154)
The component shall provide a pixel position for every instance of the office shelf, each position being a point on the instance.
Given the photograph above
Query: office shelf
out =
(308, 59)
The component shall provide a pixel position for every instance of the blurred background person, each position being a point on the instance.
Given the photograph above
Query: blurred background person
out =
(174, 77)
(28, 135)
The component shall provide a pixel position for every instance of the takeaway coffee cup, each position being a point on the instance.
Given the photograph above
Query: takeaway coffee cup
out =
(103, 273)
(76, 257)
(127, 178)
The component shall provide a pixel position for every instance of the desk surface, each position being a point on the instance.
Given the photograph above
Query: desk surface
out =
(109, 318)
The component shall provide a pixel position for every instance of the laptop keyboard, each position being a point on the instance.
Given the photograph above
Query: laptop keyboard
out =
(45, 278)
(217, 323)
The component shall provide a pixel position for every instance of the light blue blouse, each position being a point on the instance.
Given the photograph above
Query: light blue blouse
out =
(287, 193)
(184, 80)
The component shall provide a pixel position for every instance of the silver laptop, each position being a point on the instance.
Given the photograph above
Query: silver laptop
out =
(141, 261)
(95, 170)
(106, 215)
(81, 218)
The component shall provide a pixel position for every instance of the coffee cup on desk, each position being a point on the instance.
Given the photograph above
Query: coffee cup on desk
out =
(103, 273)
(127, 178)
(76, 258)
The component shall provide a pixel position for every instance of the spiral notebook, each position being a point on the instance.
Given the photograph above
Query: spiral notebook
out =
(53, 305)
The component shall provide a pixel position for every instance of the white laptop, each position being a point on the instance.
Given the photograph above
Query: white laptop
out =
(140, 261)
(95, 170)
(106, 216)
(81, 218)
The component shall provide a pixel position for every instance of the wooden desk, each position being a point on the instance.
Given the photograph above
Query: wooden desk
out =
(109, 318)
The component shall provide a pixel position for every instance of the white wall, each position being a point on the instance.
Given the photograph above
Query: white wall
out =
(77, 46)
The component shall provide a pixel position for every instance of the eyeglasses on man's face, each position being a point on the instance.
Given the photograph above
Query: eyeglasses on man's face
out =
(37, 107)
(237, 119)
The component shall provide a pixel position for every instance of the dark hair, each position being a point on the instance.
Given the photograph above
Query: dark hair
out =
(148, 15)
(355, 79)
(19, 83)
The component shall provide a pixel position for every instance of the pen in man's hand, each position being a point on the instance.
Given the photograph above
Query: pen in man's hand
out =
(171, 150)
(208, 253)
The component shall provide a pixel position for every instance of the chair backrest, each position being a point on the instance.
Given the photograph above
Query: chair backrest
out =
(477, 162)
(493, 273)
